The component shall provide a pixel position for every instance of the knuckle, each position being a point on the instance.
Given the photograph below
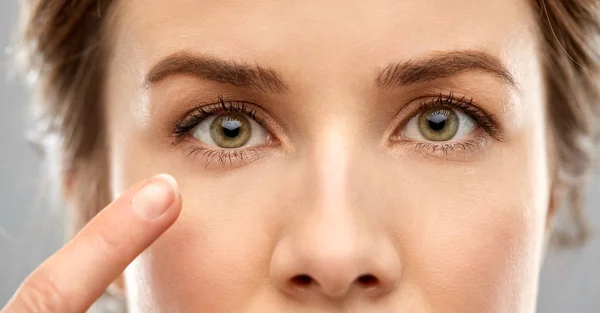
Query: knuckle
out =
(40, 293)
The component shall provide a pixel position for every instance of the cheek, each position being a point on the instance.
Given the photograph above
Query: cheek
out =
(222, 242)
(479, 246)
(475, 231)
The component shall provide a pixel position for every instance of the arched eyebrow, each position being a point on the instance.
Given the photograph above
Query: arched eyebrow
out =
(434, 66)
(439, 65)
(218, 70)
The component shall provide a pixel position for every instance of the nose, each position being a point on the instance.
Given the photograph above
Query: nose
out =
(332, 259)
(335, 244)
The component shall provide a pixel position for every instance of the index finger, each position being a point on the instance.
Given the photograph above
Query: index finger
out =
(74, 277)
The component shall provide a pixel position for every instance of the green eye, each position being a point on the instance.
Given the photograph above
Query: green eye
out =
(437, 124)
(230, 130)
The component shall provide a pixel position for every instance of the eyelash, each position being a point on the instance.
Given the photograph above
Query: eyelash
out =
(182, 127)
(191, 120)
(185, 125)
(447, 101)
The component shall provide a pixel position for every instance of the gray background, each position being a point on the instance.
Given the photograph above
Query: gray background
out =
(30, 230)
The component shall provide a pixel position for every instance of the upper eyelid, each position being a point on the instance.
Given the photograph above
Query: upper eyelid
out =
(425, 102)
(200, 110)
(253, 110)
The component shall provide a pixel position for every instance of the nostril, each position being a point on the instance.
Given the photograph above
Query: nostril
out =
(367, 280)
(302, 280)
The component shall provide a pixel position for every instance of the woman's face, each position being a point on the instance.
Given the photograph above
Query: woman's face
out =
(334, 156)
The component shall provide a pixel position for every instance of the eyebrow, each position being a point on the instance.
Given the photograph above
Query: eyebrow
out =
(218, 70)
(439, 65)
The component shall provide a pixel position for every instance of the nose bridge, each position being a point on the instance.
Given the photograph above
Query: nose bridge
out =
(332, 242)
(333, 230)
(330, 165)
(333, 218)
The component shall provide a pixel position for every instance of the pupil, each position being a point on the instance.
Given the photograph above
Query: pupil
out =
(231, 128)
(437, 121)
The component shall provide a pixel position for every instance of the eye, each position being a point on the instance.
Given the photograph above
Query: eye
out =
(230, 130)
(439, 124)
(232, 133)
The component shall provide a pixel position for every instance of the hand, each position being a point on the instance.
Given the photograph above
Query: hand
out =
(77, 275)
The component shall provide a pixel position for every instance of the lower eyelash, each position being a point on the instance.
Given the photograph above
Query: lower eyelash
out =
(224, 156)
(444, 148)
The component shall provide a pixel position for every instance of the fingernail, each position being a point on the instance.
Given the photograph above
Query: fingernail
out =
(155, 198)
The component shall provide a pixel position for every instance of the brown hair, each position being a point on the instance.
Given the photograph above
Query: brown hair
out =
(61, 43)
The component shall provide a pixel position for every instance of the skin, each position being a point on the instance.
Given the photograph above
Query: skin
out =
(332, 196)
(461, 232)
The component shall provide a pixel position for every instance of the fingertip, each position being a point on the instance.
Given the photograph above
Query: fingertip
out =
(157, 197)
(176, 205)
(171, 181)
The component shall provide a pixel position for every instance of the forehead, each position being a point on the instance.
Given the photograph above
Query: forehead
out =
(327, 35)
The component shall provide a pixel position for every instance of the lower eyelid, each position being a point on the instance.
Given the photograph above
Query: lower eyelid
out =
(460, 150)
(225, 158)
(448, 146)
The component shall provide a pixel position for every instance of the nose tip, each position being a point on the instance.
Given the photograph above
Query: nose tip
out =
(332, 274)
